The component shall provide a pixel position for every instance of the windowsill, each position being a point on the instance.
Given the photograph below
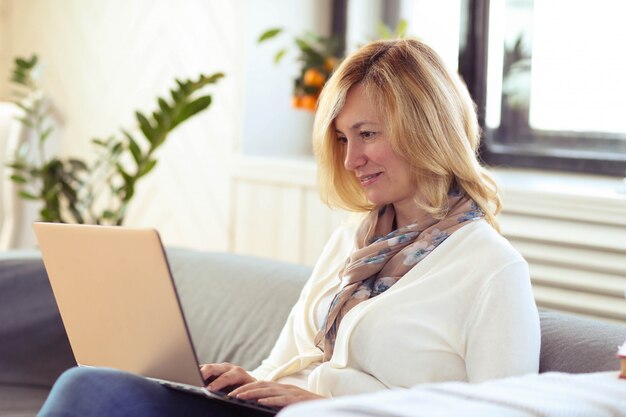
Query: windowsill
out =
(280, 170)
(536, 184)
(559, 183)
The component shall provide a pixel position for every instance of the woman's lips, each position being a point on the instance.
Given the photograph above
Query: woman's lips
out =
(369, 179)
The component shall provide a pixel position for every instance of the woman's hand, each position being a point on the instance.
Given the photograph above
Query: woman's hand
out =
(273, 394)
(222, 375)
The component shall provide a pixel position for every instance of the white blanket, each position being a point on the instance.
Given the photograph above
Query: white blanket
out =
(545, 395)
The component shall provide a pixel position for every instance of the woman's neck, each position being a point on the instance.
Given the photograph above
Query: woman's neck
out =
(408, 212)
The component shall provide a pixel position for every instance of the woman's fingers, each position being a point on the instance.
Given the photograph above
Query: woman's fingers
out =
(257, 390)
(222, 375)
(210, 370)
(273, 393)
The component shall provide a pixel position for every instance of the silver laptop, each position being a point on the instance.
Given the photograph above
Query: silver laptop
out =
(119, 304)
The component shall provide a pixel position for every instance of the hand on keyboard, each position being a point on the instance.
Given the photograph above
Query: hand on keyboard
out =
(224, 376)
(273, 394)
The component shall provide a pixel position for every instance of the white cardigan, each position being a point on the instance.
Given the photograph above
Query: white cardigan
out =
(464, 313)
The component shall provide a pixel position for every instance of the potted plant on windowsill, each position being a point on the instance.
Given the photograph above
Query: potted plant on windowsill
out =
(318, 56)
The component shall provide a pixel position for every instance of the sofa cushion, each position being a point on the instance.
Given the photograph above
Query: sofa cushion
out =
(577, 345)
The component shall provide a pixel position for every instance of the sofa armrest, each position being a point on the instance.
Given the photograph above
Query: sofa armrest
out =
(577, 345)
(34, 349)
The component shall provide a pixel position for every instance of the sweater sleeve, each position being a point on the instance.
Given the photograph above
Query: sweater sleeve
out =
(296, 342)
(502, 331)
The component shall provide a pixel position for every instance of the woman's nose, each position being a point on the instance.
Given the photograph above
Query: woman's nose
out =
(355, 158)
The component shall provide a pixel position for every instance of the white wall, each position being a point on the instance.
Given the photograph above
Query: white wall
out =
(271, 126)
(4, 43)
(106, 59)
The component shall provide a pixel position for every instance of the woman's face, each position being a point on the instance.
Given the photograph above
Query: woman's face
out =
(384, 175)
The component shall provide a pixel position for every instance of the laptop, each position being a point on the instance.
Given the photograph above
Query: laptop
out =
(119, 305)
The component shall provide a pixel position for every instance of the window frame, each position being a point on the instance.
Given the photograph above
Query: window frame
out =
(473, 55)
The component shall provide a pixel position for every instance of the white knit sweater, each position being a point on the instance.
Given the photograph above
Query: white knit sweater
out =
(464, 313)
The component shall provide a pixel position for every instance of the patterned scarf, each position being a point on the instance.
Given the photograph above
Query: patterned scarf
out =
(384, 255)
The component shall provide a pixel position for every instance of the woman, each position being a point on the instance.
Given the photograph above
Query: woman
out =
(423, 289)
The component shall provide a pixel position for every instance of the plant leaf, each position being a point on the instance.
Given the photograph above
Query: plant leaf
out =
(165, 108)
(192, 108)
(18, 165)
(25, 121)
(78, 164)
(401, 28)
(279, 56)
(269, 34)
(27, 196)
(384, 32)
(45, 134)
(176, 95)
(145, 126)
(127, 178)
(18, 179)
(133, 147)
(212, 79)
(149, 166)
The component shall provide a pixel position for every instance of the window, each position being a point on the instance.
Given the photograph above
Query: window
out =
(549, 79)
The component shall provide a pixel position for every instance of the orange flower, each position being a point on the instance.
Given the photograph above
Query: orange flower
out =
(314, 78)
(330, 63)
(296, 102)
(309, 102)
(304, 102)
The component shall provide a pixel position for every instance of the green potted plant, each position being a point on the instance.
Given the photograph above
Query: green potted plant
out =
(70, 189)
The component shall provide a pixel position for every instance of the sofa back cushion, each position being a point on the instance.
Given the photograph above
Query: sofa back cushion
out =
(235, 305)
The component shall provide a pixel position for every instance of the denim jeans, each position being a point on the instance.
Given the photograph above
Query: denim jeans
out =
(91, 392)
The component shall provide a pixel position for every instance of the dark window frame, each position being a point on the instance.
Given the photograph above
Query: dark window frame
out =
(496, 149)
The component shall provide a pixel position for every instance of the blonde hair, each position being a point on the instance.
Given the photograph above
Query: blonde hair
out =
(431, 121)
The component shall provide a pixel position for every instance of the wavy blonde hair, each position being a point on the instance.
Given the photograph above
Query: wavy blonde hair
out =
(430, 119)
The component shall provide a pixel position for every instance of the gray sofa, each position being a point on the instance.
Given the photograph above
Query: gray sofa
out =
(235, 306)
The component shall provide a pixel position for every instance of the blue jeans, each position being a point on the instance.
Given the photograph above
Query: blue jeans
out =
(91, 392)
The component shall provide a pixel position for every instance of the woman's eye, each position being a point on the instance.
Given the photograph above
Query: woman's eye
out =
(367, 135)
(342, 140)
